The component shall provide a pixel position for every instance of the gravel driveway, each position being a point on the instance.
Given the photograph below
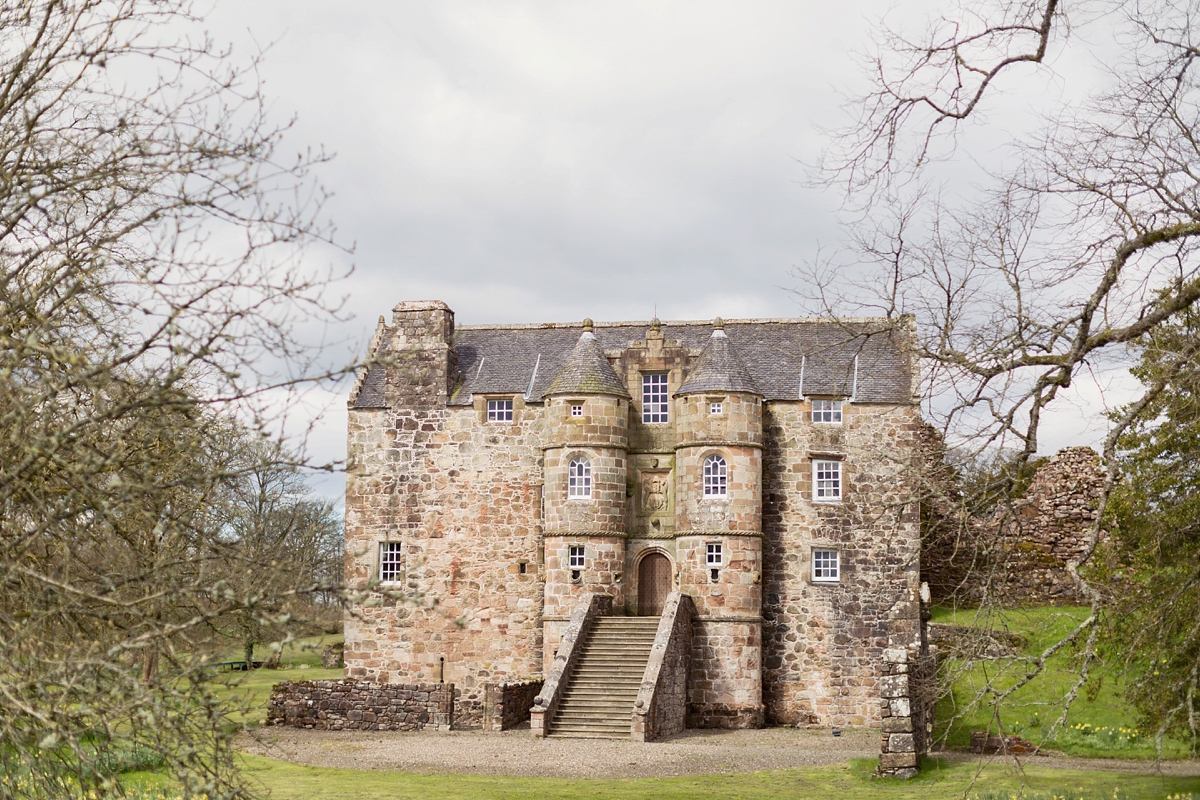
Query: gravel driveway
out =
(516, 752)
(694, 752)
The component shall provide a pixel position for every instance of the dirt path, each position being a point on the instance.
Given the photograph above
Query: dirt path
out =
(694, 752)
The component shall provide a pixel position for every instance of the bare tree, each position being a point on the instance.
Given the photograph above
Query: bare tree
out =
(151, 286)
(1080, 238)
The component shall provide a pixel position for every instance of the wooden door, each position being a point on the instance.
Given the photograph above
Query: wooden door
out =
(654, 583)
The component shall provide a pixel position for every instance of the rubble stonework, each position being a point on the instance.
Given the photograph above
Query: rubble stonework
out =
(907, 690)
(1019, 553)
(507, 705)
(361, 706)
(476, 505)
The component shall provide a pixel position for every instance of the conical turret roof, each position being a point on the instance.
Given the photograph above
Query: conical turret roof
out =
(586, 370)
(718, 369)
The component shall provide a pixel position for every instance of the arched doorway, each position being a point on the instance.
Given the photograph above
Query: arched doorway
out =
(654, 583)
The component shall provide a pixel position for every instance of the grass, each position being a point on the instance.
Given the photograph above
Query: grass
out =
(850, 781)
(248, 692)
(1100, 722)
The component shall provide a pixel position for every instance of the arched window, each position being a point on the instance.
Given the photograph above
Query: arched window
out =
(716, 477)
(579, 478)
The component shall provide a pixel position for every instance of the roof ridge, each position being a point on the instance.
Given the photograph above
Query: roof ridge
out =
(674, 323)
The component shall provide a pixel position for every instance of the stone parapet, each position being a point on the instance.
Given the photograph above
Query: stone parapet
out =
(362, 706)
(661, 706)
(507, 705)
(546, 703)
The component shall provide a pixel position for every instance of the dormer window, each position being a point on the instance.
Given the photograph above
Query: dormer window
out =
(499, 410)
(654, 397)
(827, 411)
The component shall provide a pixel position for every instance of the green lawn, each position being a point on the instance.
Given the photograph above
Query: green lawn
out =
(1100, 722)
(1034, 708)
(851, 781)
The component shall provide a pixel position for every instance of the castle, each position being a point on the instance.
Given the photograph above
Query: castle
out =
(762, 467)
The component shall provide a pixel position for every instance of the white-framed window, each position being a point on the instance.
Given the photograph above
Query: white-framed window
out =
(576, 409)
(654, 397)
(827, 411)
(715, 408)
(716, 477)
(579, 477)
(499, 410)
(827, 481)
(712, 554)
(825, 566)
(391, 562)
(575, 562)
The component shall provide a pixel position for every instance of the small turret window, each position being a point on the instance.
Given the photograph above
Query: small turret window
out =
(715, 408)
(716, 477)
(579, 478)
(576, 409)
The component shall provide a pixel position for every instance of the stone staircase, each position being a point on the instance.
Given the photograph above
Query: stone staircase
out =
(598, 700)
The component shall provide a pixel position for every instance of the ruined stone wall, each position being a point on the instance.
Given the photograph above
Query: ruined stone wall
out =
(823, 643)
(1018, 553)
(361, 706)
(1048, 527)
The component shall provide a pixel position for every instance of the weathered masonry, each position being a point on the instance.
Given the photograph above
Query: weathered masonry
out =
(507, 474)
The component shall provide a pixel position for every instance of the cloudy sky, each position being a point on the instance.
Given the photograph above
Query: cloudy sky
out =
(550, 160)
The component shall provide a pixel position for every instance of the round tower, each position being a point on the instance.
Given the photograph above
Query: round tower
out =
(584, 492)
(718, 490)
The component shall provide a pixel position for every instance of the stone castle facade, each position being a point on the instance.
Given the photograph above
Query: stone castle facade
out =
(763, 467)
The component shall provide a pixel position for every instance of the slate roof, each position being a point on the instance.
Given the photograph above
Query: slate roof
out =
(586, 371)
(524, 359)
(718, 369)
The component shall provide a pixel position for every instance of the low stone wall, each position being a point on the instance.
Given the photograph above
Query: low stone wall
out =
(507, 705)
(661, 706)
(362, 705)
(590, 606)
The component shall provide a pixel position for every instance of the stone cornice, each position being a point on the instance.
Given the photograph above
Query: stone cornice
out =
(558, 534)
(718, 443)
(585, 446)
(717, 532)
(707, 618)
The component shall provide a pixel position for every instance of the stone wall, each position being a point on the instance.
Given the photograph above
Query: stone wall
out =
(462, 496)
(908, 688)
(361, 706)
(662, 702)
(507, 705)
(823, 643)
(1018, 553)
